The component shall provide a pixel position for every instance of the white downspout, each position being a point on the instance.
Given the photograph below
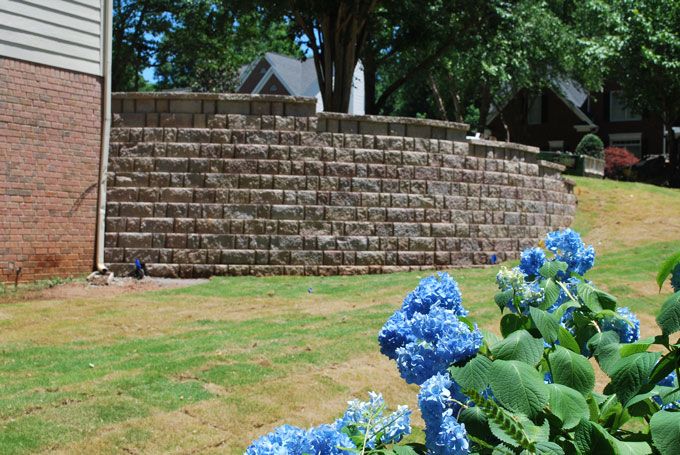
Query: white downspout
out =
(106, 131)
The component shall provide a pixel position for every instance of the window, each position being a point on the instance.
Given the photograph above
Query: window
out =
(556, 146)
(535, 110)
(630, 141)
(273, 88)
(618, 112)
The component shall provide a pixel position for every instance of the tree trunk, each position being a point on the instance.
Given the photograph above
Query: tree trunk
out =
(369, 83)
(458, 114)
(336, 40)
(484, 104)
(503, 122)
(674, 157)
(437, 97)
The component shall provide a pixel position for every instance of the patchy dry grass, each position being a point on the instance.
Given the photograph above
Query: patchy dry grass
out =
(207, 368)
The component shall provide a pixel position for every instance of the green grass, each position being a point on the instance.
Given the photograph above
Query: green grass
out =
(208, 368)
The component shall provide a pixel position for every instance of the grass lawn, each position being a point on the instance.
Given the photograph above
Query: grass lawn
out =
(207, 368)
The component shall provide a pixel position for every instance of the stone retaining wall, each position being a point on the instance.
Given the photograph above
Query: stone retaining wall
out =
(207, 184)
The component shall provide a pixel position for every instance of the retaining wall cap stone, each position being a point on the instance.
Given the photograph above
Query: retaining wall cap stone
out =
(511, 145)
(551, 165)
(213, 96)
(390, 119)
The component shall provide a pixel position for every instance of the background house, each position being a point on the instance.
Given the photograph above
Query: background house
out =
(52, 65)
(558, 118)
(276, 74)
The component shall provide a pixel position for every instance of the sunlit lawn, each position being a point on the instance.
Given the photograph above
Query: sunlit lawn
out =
(206, 369)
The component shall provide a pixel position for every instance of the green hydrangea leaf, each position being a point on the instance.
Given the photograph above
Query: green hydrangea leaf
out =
(669, 316)
(627, 349)
(665, 366)
(605, 347)
(502, 298)
(510, 323)
(520, 345)
(666, 269)
(552, 293)
(476, 423)
(588, 294)
(633, 447)
(473, 375)
(404, 450)
(630, 375)
(567, 340)
(665, 427)
(568, 405)
(545, 448)
(550, 269)
(502, 449)
(572, 370)
(518, 387)
(607, 301)
(546, 324)
(591, 438)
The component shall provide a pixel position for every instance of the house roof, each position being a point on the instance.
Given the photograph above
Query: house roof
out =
(298, 76)
(572, 94)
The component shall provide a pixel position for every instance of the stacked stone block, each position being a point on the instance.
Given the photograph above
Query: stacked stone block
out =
(269, 190)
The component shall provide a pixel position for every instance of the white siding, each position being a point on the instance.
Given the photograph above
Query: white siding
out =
(62, 33)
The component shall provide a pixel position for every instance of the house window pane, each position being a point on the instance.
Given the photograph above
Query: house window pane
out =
(618, 112)
(556, 146)
(535, 110)
(631, 142)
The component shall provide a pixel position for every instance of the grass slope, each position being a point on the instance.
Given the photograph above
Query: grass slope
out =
(208, 368)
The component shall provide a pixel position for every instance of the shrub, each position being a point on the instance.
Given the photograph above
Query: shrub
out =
(617, 163)
(530, 392)
(590, 145)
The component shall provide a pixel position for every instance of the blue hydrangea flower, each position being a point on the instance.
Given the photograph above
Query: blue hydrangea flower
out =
(441, 340)
(425, 336)
(568, 247)
(531, 260)
(675, 278)
(628, 328)
(284, 440)
(438, 290)
(328, 440)
(452, 438)
(395, 333)
(438, 395)
(370, 419)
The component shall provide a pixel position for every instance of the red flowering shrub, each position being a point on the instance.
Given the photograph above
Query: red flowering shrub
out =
(617, 162)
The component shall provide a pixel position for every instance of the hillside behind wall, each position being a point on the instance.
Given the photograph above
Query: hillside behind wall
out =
(209, 184)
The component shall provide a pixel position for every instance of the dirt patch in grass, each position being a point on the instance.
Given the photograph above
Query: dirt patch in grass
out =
(80, 289)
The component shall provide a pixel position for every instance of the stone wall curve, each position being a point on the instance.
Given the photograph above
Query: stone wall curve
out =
(215, 184)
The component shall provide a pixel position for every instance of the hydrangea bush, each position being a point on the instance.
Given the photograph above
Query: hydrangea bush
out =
(364, 427)
(531, 391)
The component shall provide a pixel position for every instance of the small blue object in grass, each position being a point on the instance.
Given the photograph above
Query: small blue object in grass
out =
(493, 259)
(310, 290)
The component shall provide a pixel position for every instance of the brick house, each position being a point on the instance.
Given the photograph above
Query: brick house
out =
(276, 74)
(52, 133)
(558, 118)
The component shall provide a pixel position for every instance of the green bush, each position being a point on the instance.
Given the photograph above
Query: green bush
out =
(591, 145)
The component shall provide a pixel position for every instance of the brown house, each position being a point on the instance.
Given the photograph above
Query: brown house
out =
(557, 119)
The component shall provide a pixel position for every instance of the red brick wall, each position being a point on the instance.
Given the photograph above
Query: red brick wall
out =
(50, 122)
